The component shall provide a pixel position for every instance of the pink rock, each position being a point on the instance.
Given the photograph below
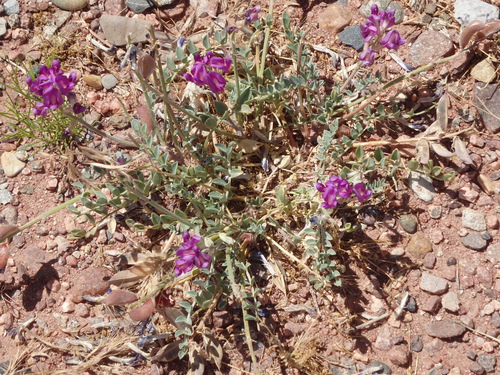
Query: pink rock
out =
(492, 222)
(51, 184)
(71, 261)
(115, 106)
(101, 106)
(92, 281)
(114, 7)
(92, 97)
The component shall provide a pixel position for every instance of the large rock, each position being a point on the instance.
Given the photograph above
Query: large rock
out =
(430, 46)
(470, 10)
(117, 29)
(445, 329)
(433, 284)
(334, 18)
(93, 281)
(487, 99)
(418, 246)
(11, 165)
(473, 219)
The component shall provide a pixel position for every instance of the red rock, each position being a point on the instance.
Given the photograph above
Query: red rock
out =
(71, 261)
(92, 281)
(400, 356)
(432, 304)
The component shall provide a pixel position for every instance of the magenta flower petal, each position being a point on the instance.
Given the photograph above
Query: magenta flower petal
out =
(190, 255)
(367, 57)
(392, 40)
(361, 192)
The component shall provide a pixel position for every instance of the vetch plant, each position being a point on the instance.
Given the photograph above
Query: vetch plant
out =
(373, 33)
(202, 72)
(190, 255)
(51, 85)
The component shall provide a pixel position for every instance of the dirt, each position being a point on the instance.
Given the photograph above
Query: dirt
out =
(307, 331)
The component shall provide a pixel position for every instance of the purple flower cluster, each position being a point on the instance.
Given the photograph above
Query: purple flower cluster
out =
(252, 15)
(202, 73)
(51, 84)
(337, 187)
(374, 29)
(190, 255)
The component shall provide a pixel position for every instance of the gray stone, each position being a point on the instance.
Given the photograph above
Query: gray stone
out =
(429, 46)
(493, 253)
(139, 6)
(161, 3)
(408, 223)
(418, 246)
(379, 368)
(5, 196)
(445, 329)
(117, 29)
(495, 176)
(416, 344)
(473, 219)
(119, 121)
(109, 81)
(433, 284)
(435, 211)
(11, 165)
(433, 371)
(70, 5)
(352, 37)
(487, 100)
(474, 241)
(470, 10)
(366, 9)
(3, 26)
(450, 302)
(11, 7)
(411, 305)
(422, 186)
(489, 362)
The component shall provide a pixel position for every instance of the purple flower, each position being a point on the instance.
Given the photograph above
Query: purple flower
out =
(367, 57)
(190, 255)
(231, 29)
(387, 19)
(372, 31)
(202, 73)
(333, 188)
(361, 192)
(369, 30)
(51, 84)
(252, 15)
(392, 40)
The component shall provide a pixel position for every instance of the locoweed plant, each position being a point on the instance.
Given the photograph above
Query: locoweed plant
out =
(250, 171)
(35, 106)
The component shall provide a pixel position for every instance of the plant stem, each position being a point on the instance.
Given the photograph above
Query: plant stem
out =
(86, 125)
(265, 49)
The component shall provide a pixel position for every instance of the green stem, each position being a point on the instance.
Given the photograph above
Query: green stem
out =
(265, 49)
(119, 141)
(46, 214)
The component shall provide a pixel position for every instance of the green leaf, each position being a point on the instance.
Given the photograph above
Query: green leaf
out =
(378, 155)
(244, 96)
(360, 153)
(245, 109)
(220, 107)
(413, 165)
(226, 239)
(286, 20)
(206, 42)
